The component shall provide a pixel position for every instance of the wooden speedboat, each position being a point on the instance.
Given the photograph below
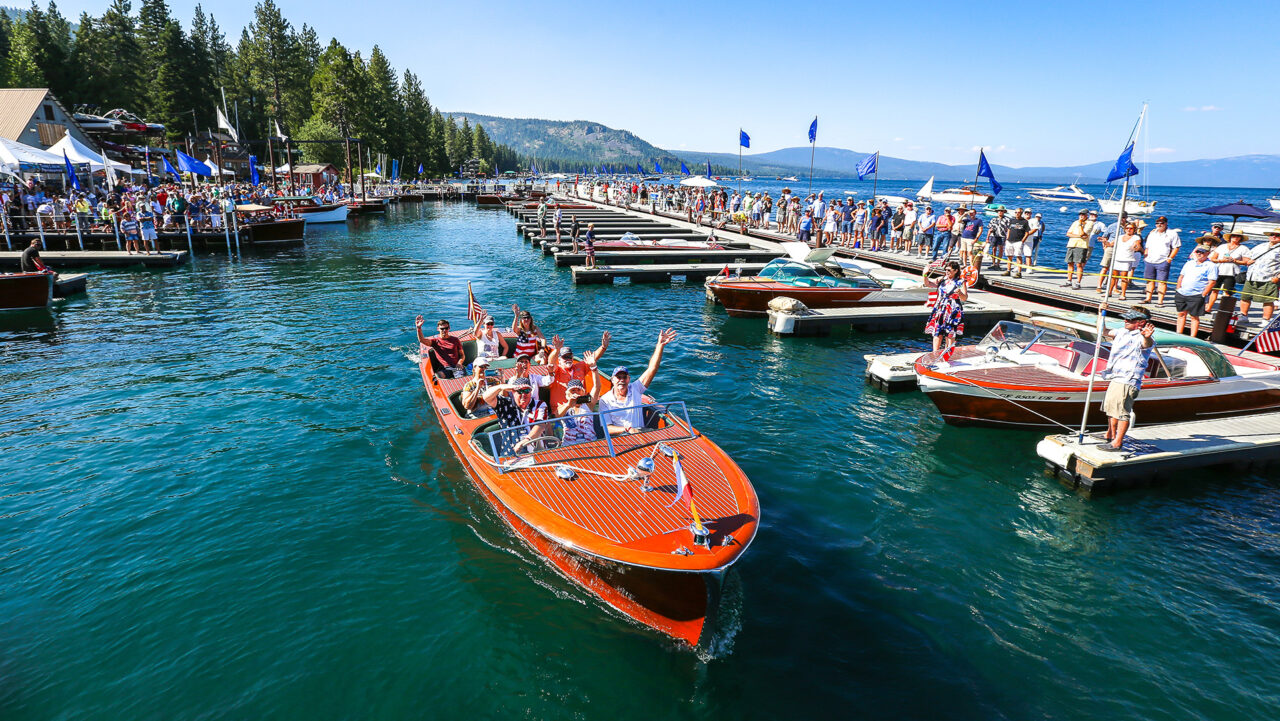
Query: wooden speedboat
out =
(365, 207)
(24, 291)
(313, 211)
(816, 281)
(1031, 376)
(259, 227)
(605, 512)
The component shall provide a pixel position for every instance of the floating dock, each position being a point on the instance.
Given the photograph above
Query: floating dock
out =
(978, 317)
(671, 257)
(58, 259)
(891, 373)
(1153, 452)
(657, 273)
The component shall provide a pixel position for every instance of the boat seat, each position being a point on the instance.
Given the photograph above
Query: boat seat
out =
(1088, 368)
(1065, 356)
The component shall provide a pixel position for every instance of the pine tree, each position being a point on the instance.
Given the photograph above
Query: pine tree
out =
(385, 110)
(110, 57)
(23, 71)
(50, 46)
(277, 66)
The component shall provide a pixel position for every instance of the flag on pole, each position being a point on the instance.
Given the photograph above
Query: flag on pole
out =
(419, 168)
(682, 489)
(378, 169)
(280, 133)
(1268, 339)
(984, 171)
(71, 172)
(743, 139)
(474, 311)
(868, 165)
(168, 168)
(813, 130)
(657, 168)
(684, 169)
(395, 169)
(708, 168)
(189, 164)
(226, 124)
(253, 169)
(1124, 167)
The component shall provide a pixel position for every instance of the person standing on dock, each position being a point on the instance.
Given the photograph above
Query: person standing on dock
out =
(1130, 353)
(924, 231)
(970, 233)
(1195, 283)
(1262, 281)
(996, 235)
(1107, 239)
(558, 219)
(542, 218)
(1159, 250)
(589, 245)
(946, 321)
(1078, 249)
(1227, 257)
(1017, 246)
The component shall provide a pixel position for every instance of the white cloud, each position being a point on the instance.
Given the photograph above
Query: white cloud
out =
(897, 140)
(1201, 109)
(996, 149)
(1160, 151)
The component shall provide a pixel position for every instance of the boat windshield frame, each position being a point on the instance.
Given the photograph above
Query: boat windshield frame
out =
(674, 412)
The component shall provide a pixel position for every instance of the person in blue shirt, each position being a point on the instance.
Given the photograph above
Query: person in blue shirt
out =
(1195, 283)
(806, 227)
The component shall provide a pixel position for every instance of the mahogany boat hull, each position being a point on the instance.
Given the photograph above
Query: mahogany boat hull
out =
(280, 231)
(1007, 405)
(25, 291)
(751, 300)
(365, 207)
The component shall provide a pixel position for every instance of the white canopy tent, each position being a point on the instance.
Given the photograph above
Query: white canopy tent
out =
(79, 154)
(16, 157)
(284, 168)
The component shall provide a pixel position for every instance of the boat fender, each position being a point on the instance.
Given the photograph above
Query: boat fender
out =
(785, 304)
(970, 276)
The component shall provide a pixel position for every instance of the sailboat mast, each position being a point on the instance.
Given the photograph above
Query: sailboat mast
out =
(1102, 307)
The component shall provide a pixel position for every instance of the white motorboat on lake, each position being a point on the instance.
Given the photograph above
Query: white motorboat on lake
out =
(1061, 192)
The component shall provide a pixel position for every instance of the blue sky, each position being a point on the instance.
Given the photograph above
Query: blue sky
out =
(1035, 83)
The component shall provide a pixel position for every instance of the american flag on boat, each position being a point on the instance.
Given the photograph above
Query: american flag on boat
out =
(1268, 341)
(474, 311)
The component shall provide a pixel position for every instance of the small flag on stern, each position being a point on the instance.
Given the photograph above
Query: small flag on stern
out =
(1268, 341)
(683, 488)
(474, 311)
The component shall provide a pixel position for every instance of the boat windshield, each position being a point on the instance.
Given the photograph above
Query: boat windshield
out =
(781, 269)
(1011, 335)
(582, 437)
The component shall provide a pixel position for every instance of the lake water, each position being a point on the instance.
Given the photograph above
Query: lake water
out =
(226, 496)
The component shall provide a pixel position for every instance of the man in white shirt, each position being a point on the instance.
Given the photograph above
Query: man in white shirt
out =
(1159, 250)
(1195, 283)
(1262, 283)
(619, 410)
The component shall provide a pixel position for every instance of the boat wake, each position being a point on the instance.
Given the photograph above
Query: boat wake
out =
(728, 621)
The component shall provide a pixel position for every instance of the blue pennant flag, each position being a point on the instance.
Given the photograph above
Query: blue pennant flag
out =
(684, 169)
(168, 168)
(71, 173)
(868, 165)
(1124, 166)
(378, 169)
(743, 139)
(419, 168)
(708, 168)
(657, 168)
(253, 169)
(395, 169)
(638, 170)
(813, 130)
(189, 164)
(984, 171)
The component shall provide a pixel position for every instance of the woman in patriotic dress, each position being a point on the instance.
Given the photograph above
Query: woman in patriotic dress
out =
(947, 319)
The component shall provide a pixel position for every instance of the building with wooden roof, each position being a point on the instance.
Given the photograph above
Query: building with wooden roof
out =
(33, 116)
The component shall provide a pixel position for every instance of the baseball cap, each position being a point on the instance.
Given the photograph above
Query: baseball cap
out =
(482, 361)
(620, 370)
(1200, 249)
(1133, 315)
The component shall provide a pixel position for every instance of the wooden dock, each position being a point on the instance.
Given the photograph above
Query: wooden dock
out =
(668, 257)
(978, 317)
(1152, 453)
(58, 259)
(656, 273)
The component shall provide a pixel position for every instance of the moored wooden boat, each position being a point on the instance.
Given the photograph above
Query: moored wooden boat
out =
(311, 211)
(24, 291)
(267, 231)
(365, 207)
(817, 282)
(605, 512)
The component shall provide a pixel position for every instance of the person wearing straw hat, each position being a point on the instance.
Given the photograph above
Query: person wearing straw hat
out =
(1130, 353)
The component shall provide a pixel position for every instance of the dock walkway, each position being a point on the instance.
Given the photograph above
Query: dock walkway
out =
(58, 259)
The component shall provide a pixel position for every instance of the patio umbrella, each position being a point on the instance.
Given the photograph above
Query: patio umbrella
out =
(1237, 210)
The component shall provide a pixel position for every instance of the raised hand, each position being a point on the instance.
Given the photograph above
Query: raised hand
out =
(417, 322)
(666, 337)
(605, 338)
(515, 308)
(589, 357)
(557, 342)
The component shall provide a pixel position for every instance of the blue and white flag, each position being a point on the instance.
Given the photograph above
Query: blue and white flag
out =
(168, 168)
(708, 168)
(684, 169)
(813, 130)
(419, 168)
(71, 172)
(657, 168)
(395, 169)
(984, 171)
(189, 164)
(1124, 167)
(743, 139)
(868, 165)
(253, 169)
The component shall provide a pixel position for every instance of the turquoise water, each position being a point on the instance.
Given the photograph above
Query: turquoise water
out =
(226, 496)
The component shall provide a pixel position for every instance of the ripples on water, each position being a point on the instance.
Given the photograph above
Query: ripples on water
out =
(226, 495)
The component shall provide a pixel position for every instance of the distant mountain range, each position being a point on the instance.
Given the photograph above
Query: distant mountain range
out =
(569, 144)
